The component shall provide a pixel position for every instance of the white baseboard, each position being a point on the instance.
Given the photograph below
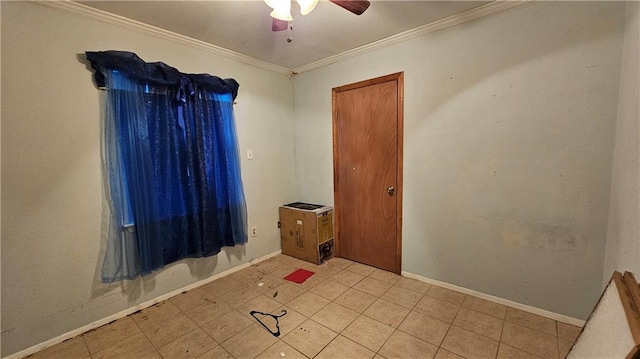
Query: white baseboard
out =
(516, 305)
(74, 333)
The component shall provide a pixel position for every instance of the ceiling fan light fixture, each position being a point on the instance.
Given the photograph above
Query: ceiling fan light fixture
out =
(306, 6)
(281, 9)
(272, 3)
(281, 15)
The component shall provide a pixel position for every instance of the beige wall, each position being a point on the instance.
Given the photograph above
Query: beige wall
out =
(508, 140)
(623, 237)
(51, 175)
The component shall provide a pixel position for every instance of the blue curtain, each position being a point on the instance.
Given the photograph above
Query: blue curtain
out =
(173, 168)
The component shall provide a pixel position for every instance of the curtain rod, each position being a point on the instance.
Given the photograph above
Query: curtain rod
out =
(103, 88)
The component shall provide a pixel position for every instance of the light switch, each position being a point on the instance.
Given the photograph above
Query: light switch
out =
(249, 154)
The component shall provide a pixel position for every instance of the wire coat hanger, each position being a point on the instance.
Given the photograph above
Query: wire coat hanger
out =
(276, 317)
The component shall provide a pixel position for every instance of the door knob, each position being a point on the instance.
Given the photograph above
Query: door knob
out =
(390, 191)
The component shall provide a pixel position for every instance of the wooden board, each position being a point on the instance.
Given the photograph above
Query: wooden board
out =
(613, 328)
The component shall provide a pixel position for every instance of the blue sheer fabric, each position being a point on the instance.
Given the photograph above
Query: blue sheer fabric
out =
(173, 167)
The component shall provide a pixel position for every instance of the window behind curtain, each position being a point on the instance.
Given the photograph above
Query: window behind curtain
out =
(172, 163)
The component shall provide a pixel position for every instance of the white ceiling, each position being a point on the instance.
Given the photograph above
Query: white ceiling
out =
(245, 26)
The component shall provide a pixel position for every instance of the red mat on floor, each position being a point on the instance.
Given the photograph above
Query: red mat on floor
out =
(299, 276)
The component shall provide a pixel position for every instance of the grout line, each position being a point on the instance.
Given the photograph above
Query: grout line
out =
(481, 334)
(387, 340)
(85, 344)
(522, 349)
(537, 330)
(445, 337)
(142, 331)
(504, 322)
(558, 342)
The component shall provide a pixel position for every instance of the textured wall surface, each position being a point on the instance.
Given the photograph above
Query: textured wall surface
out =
(508, 140)
(623, 236)
(52, 206)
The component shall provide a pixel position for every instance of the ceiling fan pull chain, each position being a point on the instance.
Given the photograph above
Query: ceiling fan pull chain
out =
(290, 27)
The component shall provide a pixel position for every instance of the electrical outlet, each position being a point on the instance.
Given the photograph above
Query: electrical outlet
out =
(254, 231)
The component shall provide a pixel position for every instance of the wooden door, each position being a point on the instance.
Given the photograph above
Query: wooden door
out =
(367, 150)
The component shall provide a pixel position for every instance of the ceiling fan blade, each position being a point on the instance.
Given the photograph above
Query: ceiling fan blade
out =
(355, 6)
(279, 25)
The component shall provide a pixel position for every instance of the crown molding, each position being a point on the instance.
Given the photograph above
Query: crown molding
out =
(453, 20)
(126, 23)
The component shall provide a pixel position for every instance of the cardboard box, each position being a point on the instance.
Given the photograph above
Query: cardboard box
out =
(306, 231)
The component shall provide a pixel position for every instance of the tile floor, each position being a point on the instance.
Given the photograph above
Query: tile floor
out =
(346, 310)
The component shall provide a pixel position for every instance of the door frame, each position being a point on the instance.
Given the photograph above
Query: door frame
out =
(399, 79)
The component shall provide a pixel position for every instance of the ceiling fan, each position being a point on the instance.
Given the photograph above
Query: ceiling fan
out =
(281, 13)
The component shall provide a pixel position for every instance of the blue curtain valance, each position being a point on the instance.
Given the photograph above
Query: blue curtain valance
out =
(154, 73)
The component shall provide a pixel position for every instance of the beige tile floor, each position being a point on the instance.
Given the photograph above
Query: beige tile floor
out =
(345, 310)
